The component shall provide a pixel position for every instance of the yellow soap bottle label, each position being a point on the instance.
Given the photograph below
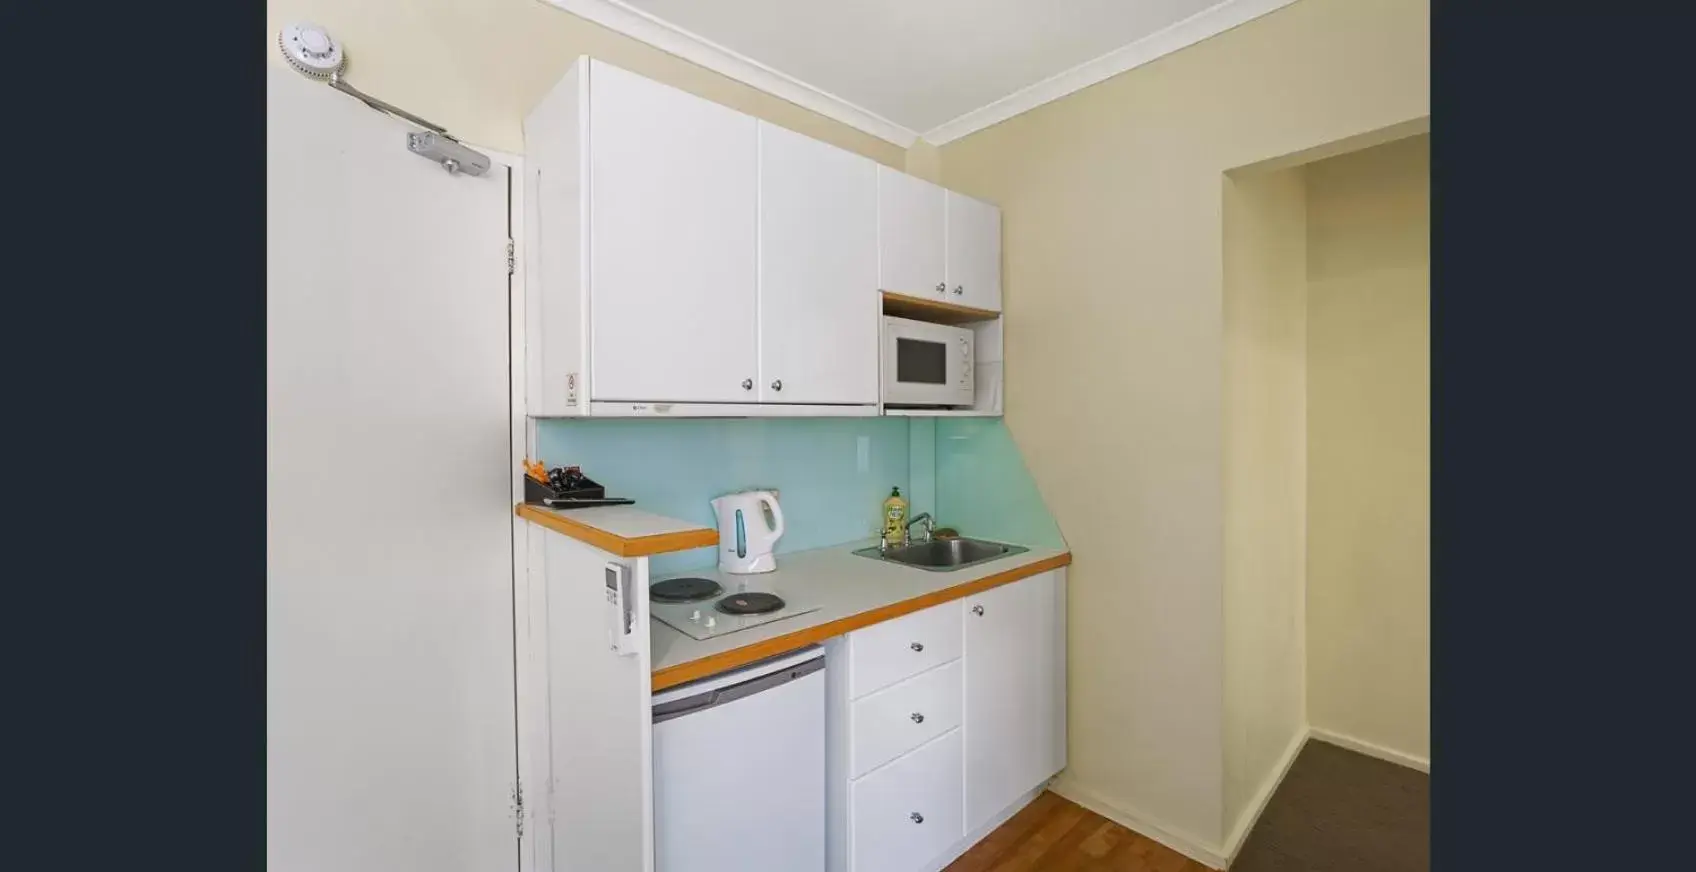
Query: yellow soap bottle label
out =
(894, 516)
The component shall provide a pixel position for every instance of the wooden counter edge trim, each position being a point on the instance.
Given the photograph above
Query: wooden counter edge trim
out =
(639, 546)
(712, 664)
(904, 305)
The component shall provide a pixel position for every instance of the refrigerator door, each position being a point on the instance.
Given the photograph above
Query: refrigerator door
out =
(739, 770)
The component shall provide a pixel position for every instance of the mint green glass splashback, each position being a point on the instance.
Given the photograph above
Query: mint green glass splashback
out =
(983, 488)
(832, 474)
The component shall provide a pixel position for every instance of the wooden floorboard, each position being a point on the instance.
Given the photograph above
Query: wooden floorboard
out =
(1336, 811)
(1054, 834)
(992, 847)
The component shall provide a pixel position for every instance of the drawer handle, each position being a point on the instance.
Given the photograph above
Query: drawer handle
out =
(917, 718)
(977, 610)
(917, 646)
(917, 818)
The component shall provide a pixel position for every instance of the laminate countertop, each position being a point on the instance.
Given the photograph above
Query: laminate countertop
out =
(851, 592)
(621, 530)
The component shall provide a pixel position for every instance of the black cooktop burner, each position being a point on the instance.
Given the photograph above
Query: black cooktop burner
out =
(749, 603)
(684, 590)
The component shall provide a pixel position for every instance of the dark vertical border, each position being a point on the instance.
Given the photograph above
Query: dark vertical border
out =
(134, 352)
(1562, 393)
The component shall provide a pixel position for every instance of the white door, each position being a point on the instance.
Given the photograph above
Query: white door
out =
(818, 300)
(1011, 695)
(910, 228)
(974, 253)
(673, 191)
(389, 648)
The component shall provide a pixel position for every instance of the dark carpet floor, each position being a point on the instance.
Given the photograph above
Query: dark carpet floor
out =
(1339, 811)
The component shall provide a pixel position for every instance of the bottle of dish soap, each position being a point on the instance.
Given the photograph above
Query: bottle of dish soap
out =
(894, 517)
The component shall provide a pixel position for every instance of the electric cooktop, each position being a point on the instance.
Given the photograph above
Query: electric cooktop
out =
(708, 604)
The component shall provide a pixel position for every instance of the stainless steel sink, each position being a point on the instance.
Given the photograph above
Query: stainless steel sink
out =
(943, 555)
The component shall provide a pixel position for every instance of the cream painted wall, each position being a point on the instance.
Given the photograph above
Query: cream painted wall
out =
(1265, 409)
(1369, 461)
(925, 161)
(477, 66)
(1113, 285)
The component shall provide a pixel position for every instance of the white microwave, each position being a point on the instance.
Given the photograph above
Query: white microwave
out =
(926, 364)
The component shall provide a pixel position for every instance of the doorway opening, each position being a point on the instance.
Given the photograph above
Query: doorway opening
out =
(1327, 494)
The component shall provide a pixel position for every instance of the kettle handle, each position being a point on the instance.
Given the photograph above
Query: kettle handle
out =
(776, 515)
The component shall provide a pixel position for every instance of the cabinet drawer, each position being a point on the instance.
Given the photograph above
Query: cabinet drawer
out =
(885, 653)
(908, 812)
(897, 719)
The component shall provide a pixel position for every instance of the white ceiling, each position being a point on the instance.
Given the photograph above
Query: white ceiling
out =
(937, 68)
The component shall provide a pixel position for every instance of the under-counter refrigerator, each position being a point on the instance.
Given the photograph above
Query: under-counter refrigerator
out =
(739, 767)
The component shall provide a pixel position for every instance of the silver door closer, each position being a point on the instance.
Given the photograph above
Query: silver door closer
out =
(312, 52)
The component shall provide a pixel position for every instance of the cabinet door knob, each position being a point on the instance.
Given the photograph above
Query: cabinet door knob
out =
(942, 287)
(959, 289)
(977, 610)
(917, 646)
(917, 818)
(917, 718)
(777, 385)
(747, 384)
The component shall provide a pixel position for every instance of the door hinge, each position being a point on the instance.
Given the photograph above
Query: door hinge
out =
(518, 807)
(510, 262)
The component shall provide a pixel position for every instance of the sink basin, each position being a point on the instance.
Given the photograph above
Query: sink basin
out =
(943, 555)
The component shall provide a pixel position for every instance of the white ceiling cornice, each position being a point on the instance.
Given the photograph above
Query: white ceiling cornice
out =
(639, 25)
(666, 37)
(1208, 22)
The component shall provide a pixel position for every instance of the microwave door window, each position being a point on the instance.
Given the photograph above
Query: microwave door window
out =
(921, 362)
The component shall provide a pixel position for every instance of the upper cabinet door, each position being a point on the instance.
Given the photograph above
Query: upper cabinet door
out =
(910, 235)
(818, 301)
(1012, 701)
(974, 253)
(673, 190)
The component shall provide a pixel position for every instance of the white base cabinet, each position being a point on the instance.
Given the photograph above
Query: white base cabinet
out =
(909, 811)
(940, 721)
(1015, 692)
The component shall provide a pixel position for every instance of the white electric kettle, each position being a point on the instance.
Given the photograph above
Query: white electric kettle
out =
(745, 539)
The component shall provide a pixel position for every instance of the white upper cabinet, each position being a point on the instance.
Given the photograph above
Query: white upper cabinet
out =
(684, 259)
(818, 303)
(1014, 723)
(910, 235)
(673, 208)
(974, 253)
(936, 244)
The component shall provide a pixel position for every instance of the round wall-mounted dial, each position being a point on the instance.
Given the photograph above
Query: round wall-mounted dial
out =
(311, 50)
